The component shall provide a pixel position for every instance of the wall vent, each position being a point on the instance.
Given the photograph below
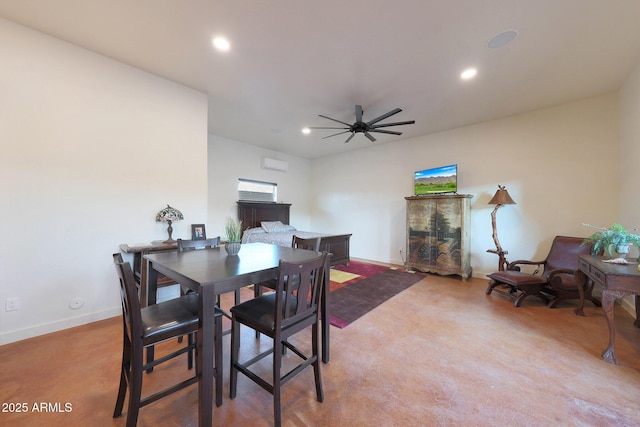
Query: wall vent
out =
(278, 165)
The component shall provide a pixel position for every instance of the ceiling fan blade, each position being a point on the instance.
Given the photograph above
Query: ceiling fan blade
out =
(339, 133)
(318, 127)
(385, 131)
(358, 113)
(335, 120)
(351, 136)
(384, 125)
(371, 138)
(384, 116)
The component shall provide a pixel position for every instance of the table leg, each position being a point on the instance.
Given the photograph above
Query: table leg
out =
(324, 311)
(636, 300)
(581, 280)
(206, 356)
(608, 301)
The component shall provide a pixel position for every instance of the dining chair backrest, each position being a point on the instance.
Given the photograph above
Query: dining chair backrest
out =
(184, 245)
(129, 298)
(312, 244)
(299, 303)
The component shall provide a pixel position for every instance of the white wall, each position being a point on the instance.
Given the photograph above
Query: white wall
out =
(230, 160)
(91, 150)
(628, 170)
(559, 164)
(628, 167)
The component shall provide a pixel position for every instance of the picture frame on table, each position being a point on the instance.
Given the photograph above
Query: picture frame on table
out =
(198, 232)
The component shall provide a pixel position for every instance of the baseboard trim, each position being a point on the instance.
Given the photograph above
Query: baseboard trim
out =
(46, 328)
(628, 304)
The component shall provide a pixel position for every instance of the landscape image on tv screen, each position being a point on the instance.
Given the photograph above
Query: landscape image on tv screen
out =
(437, 180)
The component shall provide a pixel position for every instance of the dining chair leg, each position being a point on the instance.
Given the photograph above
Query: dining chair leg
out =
(277, 365)
(217, 348)
(316, 363)
(150, 357)
(257, 291)
(190, 352)
(124, 369)
(122, 392)
(233, 372)
(135, 388)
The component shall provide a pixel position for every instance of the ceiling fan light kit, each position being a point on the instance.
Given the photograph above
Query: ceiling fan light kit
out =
(365, 128)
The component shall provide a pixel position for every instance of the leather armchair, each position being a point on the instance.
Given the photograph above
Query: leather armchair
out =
(555, 283)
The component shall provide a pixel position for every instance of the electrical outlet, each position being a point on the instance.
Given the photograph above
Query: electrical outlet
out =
(12, 304)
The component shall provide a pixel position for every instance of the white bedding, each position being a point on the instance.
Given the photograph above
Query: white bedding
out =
(276, 233)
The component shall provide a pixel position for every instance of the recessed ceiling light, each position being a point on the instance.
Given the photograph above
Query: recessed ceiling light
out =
(469, 73)
(221, 43)
(306, 131)
(502, 39)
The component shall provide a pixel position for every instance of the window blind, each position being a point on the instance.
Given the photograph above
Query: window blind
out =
(257, 191)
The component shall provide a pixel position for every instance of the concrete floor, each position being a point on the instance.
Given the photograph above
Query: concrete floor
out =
(441, 353)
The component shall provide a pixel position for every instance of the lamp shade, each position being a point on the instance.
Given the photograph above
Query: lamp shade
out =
(169, 214)
(501, 197)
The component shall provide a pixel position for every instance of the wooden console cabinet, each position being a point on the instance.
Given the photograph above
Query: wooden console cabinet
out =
(438, 237)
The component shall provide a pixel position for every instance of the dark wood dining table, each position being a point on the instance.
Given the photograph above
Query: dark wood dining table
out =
(212, 272)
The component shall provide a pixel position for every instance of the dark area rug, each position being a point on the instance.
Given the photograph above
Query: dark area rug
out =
(349, 303)
(345, 275)
(361, 268)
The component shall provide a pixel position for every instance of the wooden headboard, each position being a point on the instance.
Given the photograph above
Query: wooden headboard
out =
(253, 213)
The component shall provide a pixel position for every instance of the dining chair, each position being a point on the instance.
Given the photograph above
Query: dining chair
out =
(186, 245)
(141, 274)
(312, 244)
(148, 326)
(196, 244)
(280, 315)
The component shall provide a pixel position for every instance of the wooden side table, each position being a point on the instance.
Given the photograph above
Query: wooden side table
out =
(617, 280)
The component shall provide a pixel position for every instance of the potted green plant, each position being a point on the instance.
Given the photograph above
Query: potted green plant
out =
(615, 238)
(233, 230)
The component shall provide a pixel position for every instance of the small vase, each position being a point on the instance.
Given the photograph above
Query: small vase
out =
(232, 248)
(623, 250)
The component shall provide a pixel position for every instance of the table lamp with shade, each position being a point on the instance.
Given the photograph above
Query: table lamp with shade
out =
(168, 215)
(501, 197)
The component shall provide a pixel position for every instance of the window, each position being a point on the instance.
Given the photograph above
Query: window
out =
(257, 191)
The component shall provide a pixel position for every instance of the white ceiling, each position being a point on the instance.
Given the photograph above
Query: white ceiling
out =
(294, 59)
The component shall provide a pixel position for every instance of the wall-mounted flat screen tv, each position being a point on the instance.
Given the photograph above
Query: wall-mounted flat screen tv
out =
(443, 179)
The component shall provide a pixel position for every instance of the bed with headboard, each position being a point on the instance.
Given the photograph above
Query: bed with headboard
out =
(269, 223)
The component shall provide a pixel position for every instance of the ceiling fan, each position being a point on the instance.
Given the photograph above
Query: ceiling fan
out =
(366, 127)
